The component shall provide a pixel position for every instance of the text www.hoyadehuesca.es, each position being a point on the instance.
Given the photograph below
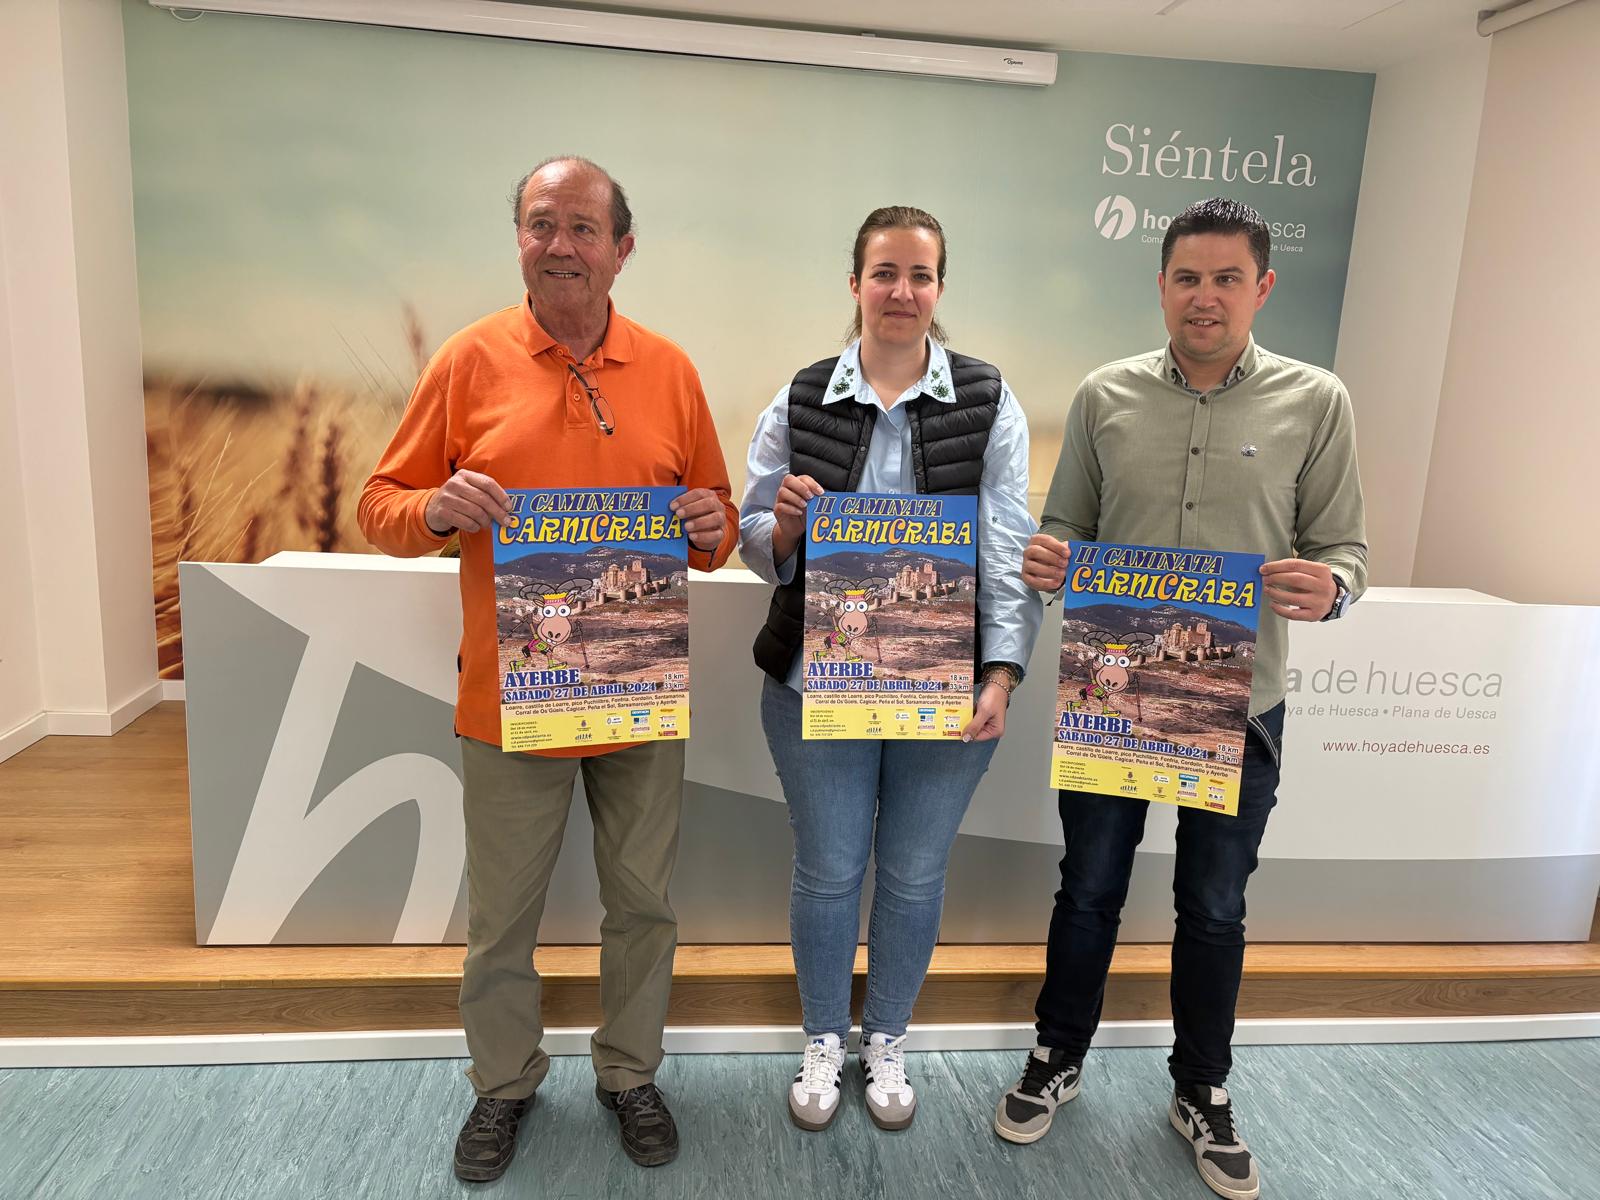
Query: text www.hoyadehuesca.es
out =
(1468, 749)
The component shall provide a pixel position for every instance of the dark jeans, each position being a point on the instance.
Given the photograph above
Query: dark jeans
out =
(1215, 856)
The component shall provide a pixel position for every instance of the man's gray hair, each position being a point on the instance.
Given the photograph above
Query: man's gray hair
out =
(621, 214)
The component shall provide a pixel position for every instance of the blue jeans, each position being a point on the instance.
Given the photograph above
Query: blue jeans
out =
(847, 800)
(1215, 856)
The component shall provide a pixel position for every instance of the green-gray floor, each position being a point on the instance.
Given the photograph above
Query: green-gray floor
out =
(1511, 1121)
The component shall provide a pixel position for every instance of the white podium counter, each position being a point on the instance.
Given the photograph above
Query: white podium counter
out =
(1441, 774)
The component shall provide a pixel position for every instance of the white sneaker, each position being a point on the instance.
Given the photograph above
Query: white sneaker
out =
(891, 1102)
(814, 1095)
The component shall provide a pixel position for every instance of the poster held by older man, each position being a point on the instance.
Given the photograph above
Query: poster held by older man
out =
(592, 616)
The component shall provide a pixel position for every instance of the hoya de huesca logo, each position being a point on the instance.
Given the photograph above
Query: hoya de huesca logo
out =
(1115, 217)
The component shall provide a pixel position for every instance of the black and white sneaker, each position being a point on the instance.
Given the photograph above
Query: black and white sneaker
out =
(814, 1094)
(891, 1100)
(1048, 1081)
(1204, 1115)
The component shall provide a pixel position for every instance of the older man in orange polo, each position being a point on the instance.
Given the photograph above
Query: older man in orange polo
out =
(557, 391)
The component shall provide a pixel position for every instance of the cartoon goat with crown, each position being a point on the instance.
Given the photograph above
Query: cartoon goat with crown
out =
(550, 624)
(848, 604)
(1111, 678)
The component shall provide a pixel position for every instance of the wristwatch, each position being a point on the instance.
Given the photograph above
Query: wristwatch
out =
(1341, 599)
(1004, 674)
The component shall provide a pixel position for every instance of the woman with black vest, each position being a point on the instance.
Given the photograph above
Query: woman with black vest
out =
(896, 412)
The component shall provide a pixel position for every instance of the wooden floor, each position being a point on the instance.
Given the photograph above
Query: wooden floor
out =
(97, 937)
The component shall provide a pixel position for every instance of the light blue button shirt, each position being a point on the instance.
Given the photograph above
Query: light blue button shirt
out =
(1009, 612)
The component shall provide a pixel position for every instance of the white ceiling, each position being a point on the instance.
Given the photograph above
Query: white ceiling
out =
(1354, 35)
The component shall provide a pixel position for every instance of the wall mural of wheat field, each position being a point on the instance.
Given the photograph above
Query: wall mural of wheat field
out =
(239, 471)
(318, 205)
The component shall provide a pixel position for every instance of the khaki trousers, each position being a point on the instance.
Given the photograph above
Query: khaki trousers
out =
(516, 809)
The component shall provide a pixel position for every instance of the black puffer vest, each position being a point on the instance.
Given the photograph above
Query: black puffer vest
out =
(829, 443)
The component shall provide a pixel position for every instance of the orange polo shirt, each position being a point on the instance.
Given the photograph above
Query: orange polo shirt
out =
(498, 398)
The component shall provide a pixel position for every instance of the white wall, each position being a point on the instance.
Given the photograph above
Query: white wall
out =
(21, 704)
(36, 194)
(108, 310)
(1510, 506)
(1394, 333)
(75, 396)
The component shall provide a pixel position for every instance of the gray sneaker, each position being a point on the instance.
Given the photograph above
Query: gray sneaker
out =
(1204, 1115)
(1048, 1081)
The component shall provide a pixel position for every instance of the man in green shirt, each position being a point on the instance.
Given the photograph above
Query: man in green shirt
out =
(1211, 443)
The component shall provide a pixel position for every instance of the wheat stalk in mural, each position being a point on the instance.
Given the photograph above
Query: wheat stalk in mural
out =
(241, 470)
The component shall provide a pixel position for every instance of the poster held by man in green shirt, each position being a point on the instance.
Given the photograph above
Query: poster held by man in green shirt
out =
(1157, 652)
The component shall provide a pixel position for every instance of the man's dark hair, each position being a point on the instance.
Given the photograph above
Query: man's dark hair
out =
(1220, 215)
(621, 214)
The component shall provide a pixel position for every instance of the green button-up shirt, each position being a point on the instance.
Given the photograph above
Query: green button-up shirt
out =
(1263, 464)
